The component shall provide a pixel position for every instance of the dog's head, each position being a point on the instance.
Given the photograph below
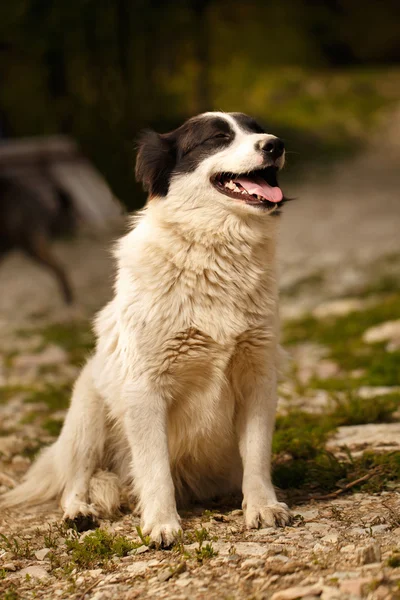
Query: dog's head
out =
(225, 158)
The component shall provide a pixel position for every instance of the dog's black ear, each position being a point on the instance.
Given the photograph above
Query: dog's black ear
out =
(155, 162)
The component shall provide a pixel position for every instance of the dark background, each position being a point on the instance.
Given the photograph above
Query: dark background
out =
(320, 74)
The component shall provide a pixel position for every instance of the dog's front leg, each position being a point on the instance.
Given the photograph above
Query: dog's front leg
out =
(146, 429)
(256, 420)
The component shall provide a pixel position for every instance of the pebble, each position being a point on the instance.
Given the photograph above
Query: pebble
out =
(298, 592)
(165, 575)
(41, 554)
(9, 566)
(369, 554)
(137, 567)
(331, 538)
(251, 563)
(355, 587)
(141, 550)
(34, 571)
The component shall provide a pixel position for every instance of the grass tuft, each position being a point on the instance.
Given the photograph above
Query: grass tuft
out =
(98, 547)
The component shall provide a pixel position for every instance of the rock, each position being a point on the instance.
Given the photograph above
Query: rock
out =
(383, 436)
(325, 369)
(366, 391)
(34, 571)
(10, 445)
(251, 563)
(355, 587)
(331, 538)
(308, 515)
(51, 355)
(369, 554)
(250, 549)
(164, 575)
(10, 566)
(298, 592)
(338, 308)
(41, 554)
(385, 332)
(138, 567)
(348, 548)
(330, 593)
(141, 550)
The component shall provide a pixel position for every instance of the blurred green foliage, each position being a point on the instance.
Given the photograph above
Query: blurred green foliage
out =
(319, 73)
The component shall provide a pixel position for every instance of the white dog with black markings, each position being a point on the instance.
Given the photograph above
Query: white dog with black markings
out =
(178, 401)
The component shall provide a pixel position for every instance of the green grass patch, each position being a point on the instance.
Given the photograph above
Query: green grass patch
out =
(98, 547)
(53, 426)
(300, 434)
(343, 337)
(7, 392)
(358, 411)
(302, 463)
(394, 560)
(76, 338)
(55, 397)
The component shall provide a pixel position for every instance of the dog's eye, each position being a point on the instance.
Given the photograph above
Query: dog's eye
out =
(221, 136)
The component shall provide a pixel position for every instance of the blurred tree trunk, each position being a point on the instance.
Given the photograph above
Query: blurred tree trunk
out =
(201, 41)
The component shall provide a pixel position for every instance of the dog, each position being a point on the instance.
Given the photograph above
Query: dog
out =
(29, 224)
(178, 400)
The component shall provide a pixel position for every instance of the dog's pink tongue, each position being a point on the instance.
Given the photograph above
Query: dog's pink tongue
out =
(258, 186)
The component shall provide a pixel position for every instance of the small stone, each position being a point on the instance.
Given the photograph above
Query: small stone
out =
(320, 548)
(37, 572)
(348, 548)
(330, 593)
(248, 549)
(298, 592)
(385, 332)
(153, 563)
(41, 554)
(355, 587)
(236, 513)
(182, 582)
(9, 566)
(308, 515)
(369, 554)
(141, 549)
(251, 563)
(330, 538)
(138, 567)
(164, 575)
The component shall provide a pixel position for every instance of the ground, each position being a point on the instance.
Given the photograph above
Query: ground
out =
(337, 443)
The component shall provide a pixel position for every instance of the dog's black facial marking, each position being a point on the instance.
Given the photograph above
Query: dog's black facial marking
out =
(181, 151)
(247, 123)
(198, 139)
(155, 161)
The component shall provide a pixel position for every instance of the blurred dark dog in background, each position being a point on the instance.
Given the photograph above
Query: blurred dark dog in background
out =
(27, 223)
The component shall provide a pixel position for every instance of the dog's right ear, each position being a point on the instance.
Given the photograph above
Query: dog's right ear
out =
(155, 162)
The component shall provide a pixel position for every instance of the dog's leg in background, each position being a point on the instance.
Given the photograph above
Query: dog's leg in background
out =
(146, 430)
(80, 453)
(255, 425)
(38, 248)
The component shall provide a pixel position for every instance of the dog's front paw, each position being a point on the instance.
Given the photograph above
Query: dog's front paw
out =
(164, 533)
(267, 515)
(80, 516)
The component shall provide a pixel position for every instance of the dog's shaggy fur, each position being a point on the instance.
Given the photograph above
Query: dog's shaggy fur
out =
(178, 401)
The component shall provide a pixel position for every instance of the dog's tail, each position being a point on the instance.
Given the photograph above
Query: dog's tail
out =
(41, 483)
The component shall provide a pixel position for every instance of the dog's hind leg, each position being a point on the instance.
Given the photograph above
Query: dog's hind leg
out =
(38, 248)
(80, 451)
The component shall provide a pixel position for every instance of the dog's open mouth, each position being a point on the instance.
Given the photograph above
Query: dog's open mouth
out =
(258, 188)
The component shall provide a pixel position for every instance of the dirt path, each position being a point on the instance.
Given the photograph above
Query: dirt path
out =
(339, 241)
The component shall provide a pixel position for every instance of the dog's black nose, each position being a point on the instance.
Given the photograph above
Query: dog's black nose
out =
(274, 147)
